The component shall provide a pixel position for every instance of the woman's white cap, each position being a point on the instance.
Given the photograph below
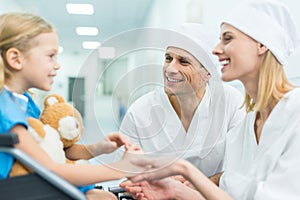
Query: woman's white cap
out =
(268, 22)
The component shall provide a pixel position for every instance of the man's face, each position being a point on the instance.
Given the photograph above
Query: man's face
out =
(183, 73)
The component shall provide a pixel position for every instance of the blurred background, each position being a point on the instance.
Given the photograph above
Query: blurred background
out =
(102, 82)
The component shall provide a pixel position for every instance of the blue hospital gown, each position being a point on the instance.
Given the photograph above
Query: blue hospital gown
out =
(14, 110)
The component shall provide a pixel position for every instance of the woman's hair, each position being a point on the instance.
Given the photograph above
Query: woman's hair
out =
(272, 85)
(17, 30)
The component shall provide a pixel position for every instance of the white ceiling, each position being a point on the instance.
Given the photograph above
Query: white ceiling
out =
(110, 17)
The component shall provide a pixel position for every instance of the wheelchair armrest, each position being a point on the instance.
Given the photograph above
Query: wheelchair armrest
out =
(7, 142)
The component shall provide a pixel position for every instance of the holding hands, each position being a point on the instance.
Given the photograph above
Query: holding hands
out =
(158, 168)
(151, 184)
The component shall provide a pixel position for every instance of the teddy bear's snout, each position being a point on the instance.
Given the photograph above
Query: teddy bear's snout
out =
(69, 128)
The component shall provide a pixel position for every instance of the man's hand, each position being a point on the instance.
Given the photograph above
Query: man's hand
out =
(183, 180)
(161, 189)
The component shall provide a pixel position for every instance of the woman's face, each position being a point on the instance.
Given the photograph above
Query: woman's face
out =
(239, 55)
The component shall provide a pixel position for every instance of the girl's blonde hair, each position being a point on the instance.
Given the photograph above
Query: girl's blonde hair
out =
(272, 85)
(17, 30)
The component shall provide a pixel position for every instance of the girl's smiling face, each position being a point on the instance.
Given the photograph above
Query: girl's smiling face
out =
(39, 64)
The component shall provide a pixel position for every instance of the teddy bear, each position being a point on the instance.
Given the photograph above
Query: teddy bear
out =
(64, 118)
(60, 126)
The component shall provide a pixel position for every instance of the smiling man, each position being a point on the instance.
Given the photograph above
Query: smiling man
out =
(189, 116)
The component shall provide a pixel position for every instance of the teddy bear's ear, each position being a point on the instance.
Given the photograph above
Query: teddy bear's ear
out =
(52, 99)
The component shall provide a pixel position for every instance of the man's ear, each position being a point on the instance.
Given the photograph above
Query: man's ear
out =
(13, 58)
(261, 49)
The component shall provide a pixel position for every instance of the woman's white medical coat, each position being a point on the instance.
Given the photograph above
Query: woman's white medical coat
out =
(270, 169)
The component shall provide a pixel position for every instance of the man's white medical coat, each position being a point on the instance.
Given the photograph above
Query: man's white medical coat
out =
(152, 123)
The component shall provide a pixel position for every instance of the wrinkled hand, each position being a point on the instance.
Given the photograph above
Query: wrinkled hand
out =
(179, 178)
(183, 181)
(161, 190)
(112, 142)
(189, 184)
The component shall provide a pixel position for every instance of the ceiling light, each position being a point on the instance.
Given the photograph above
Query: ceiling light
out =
(90, 44)
(80, 9)
(87, 31)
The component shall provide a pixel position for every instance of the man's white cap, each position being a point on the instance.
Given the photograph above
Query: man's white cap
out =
(197, 40)
(268, 22)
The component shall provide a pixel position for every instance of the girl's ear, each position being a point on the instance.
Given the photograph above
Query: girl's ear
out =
(262, 49)
(208, 75)
(13, 58)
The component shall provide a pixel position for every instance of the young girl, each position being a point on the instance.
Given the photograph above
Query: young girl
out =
(262, 153)
(28, 48)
